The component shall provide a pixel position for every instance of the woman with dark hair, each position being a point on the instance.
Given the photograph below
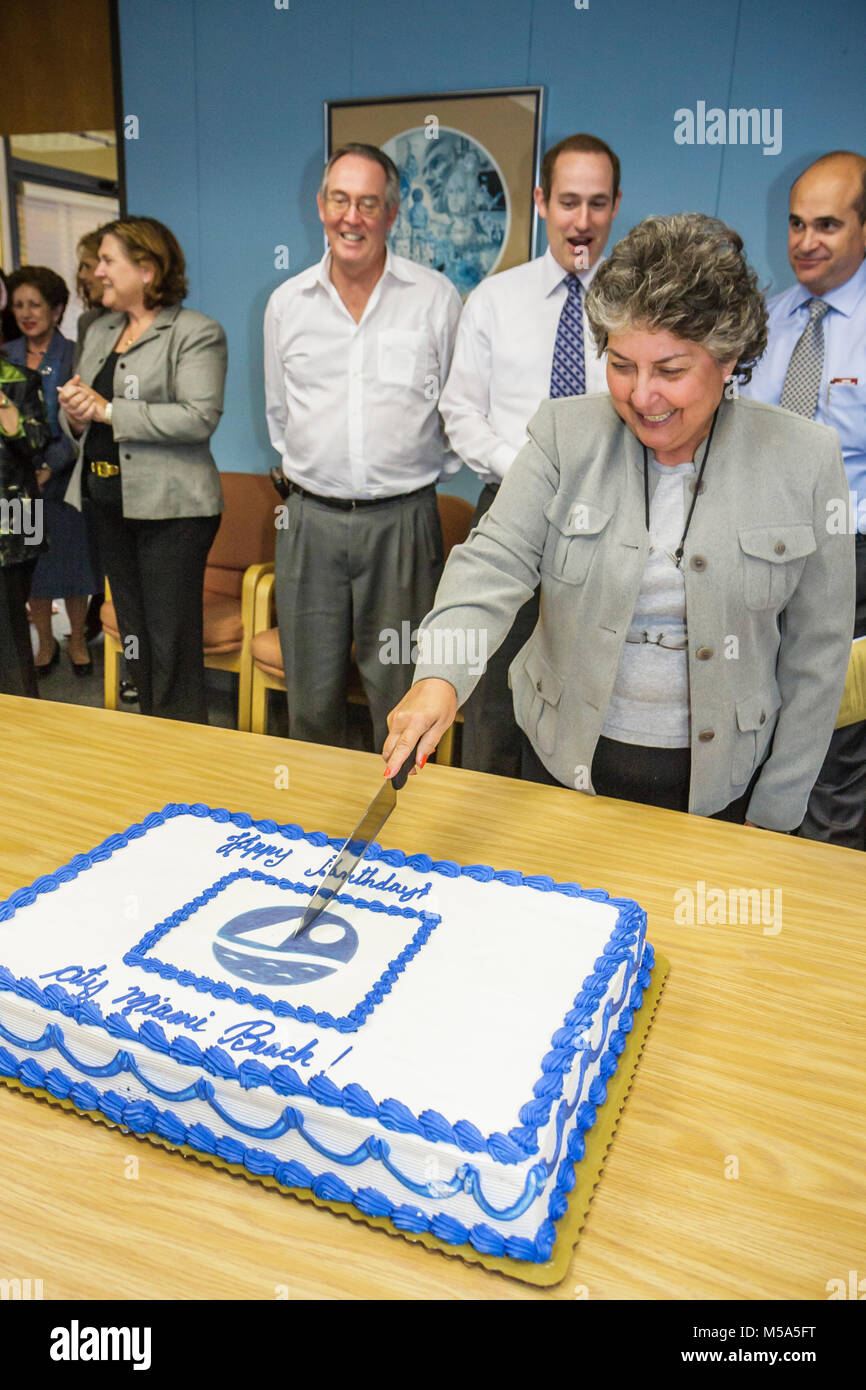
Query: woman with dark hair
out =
(696, 611)
(39, 297)
(144, 403)
(23, 435)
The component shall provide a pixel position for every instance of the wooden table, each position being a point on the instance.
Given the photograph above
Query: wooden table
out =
(737, 1169)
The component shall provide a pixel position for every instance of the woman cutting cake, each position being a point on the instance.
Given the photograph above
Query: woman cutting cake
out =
(696, 610)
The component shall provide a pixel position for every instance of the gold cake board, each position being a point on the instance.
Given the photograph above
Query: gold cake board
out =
(568, 1227)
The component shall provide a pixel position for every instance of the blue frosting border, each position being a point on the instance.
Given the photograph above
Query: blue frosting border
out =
(348, 1023)
(142, 1117)
(520, 1142)
(467, 1177)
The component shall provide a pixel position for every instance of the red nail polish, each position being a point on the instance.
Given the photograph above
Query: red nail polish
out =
(423, 761)
(387, 772)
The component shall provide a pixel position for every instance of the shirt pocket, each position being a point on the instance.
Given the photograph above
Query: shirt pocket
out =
(572, 537)
(401, 356)
(773, 558)
(846, 412)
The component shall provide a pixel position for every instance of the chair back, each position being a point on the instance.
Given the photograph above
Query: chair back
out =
(455, 514)
(247, 532)
(853, 707)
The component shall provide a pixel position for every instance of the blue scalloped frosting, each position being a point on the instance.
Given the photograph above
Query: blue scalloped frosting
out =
(347, 1023)
(142, 1117)
(520, 1142)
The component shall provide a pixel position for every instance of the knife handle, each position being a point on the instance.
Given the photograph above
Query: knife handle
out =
(399, 779)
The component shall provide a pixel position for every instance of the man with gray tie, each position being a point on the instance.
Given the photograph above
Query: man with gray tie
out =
(524, 337)
(815, 365)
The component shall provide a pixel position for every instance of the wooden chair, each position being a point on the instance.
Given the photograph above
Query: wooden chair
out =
(455, 514)
(853, 707)
(242, 551)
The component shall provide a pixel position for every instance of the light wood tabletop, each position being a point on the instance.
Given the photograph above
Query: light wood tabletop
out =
(737, 1168)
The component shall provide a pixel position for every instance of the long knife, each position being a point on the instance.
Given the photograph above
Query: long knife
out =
(355, 847)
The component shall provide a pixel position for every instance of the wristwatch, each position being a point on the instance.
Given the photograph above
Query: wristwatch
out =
(108, 407)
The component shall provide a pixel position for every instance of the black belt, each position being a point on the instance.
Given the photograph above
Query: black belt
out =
(349, 504)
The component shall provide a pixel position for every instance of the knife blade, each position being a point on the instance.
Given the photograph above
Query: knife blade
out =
(355, 847)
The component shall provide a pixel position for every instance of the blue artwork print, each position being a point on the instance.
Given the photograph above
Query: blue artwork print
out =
(454, 214)
(263, 955)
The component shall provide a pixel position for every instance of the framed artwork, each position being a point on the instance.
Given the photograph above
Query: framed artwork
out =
(468, 163)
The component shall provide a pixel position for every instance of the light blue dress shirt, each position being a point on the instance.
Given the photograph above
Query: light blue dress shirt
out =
(842, 398)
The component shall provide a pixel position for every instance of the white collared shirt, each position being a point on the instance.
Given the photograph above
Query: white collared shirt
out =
(503, 359)
(352, 407)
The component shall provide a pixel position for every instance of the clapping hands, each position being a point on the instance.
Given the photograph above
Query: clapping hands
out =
(81, 403)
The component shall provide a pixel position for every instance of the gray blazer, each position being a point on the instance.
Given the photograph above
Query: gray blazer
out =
(761, 565)
(168, 399)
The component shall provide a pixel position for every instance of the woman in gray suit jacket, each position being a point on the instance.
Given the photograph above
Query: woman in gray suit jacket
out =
(697, 600)
(145, 401)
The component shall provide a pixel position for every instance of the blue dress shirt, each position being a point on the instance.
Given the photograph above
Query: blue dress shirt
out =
(842, 397)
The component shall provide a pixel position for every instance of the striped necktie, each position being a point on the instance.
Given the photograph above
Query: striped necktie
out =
(567, 376)
(803, 377)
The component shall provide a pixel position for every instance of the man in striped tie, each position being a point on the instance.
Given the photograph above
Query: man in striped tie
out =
(524, 336)
(815, 365)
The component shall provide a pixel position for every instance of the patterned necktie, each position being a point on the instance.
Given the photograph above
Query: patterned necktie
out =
(803, 377)
(567, 376)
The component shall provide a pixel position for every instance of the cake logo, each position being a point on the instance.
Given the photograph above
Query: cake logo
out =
(263, 950)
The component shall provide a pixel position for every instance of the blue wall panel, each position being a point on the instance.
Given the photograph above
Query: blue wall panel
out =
(229, 96)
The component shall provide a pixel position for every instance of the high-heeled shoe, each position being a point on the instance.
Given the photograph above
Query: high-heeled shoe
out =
(81, 668)
(44, 667)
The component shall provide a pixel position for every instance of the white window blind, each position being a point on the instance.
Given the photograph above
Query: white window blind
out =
(50, 223)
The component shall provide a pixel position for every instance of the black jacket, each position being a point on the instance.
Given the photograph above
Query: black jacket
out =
(18, 489)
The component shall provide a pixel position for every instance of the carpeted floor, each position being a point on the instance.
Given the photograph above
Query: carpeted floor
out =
(62, 684)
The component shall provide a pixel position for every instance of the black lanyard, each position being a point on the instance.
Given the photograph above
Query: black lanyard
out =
(678, 553)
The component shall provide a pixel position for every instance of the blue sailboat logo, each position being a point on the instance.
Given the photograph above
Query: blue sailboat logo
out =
(263, 953)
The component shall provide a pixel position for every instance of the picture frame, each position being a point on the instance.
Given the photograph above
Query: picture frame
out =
(468, 163)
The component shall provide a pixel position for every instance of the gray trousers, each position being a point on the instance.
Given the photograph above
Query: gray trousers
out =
(366, 576)
(491, 738)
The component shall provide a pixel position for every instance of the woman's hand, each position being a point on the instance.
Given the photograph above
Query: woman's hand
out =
(421, 717)
(10, 420)
(81, 403)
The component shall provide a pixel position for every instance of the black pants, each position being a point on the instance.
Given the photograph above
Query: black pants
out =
(156, 572)
(17, 673)
(491, 738)
(837, 806)
(628, 772)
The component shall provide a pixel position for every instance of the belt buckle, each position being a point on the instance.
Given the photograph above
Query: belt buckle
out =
(641, 638)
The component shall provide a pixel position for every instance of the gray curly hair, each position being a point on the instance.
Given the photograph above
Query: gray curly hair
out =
(687, 275)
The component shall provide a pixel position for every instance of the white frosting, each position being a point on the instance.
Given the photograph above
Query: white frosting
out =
(462, 1031)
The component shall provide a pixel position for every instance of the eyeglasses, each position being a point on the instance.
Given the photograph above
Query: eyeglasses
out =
(370, 208)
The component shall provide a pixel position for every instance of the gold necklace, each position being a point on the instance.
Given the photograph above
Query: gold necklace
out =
(132, 337)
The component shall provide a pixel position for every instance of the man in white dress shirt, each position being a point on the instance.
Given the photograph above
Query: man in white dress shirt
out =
(522, 338)
(356, 349)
